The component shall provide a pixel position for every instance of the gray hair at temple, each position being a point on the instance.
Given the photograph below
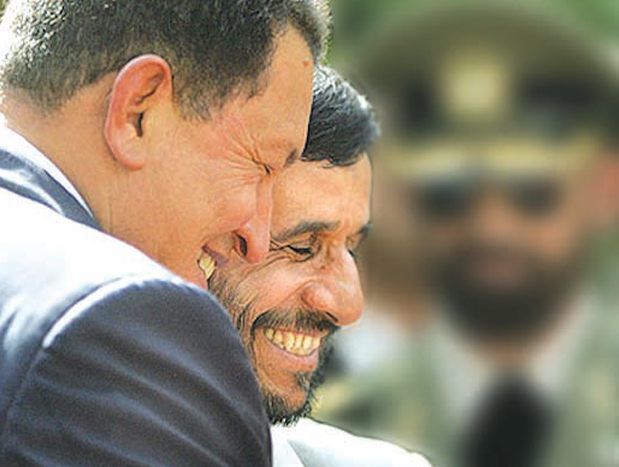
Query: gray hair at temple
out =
(342, 125)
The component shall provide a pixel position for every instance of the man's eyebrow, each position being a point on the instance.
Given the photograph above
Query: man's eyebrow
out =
(292, 157)
(304, 228)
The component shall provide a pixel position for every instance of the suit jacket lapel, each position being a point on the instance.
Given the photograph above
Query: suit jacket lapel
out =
(21, 176)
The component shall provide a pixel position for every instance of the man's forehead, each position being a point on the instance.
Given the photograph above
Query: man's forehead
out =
(310, 193)
(318, 179)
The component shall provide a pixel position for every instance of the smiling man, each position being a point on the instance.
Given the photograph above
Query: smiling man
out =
(287, 307)
(137, 131)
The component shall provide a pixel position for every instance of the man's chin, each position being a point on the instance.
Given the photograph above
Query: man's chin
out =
(289, 396)
(285, 406)
(281, 410)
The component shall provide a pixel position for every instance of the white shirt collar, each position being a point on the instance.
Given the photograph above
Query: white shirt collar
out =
(283, 453)
(15, 143)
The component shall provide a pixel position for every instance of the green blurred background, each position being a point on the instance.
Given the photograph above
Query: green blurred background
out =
(354, 19)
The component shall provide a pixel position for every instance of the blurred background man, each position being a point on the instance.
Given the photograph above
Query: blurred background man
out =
(502, 148)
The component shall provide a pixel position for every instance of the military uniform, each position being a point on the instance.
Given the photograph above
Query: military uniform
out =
(511, 90)
(406, 402)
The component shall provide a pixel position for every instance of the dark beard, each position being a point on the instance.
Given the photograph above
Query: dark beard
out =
(516, 314)
(277, 407)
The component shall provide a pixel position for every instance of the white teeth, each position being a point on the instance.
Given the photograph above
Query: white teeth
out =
(207, 265)
(289, 341)
(307, 343)
(278, 339)
(295, 343)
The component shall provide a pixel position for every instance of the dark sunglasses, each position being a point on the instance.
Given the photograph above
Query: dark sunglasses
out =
(455, 197)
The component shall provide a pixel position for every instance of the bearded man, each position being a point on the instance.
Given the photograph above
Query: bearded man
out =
(288, 307)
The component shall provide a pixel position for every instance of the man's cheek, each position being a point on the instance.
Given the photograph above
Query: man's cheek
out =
(276, 283)
(236, 203)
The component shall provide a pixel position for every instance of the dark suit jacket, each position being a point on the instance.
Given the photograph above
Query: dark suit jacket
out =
(106, 358)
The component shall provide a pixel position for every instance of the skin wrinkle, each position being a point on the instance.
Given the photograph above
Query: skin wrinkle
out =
(313, 227)
(316, 228)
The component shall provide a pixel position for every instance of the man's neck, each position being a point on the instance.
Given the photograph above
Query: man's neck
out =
(71, 138)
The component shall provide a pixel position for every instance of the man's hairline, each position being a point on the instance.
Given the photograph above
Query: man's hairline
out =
(248, 89)
(262, 80)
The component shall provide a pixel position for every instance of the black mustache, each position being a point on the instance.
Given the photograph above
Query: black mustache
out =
(302, 320)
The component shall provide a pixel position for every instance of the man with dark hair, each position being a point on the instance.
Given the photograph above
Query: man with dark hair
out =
(288, 307)
(136, 131)
(342, 126)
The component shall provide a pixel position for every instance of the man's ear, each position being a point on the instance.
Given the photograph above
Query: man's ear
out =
(142, 83)
(606, 190)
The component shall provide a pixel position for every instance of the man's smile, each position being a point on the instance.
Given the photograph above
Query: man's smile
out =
(281, 356)
(207, 265)
(288, 306)
(296, 343)
(208, 261)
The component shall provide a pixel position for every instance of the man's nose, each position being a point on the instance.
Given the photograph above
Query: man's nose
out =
(492, 219)
(254, 236)
(337, 290)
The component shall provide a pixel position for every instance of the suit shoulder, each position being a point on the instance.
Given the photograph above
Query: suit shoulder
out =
(162, 361)
(318, 444)
(47, 264)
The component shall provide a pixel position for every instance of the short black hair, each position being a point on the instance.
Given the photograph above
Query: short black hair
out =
(342, 125)
(53, 48)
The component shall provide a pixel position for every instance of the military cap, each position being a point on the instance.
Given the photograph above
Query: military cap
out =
(498, 81)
